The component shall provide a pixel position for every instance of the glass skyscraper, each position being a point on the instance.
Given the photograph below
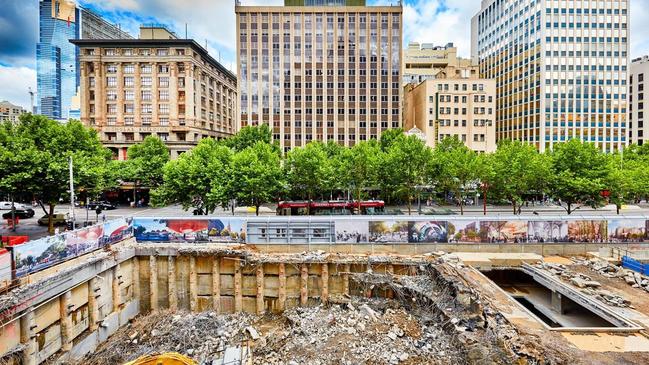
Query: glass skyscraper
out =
(560, 69)
(57, 58)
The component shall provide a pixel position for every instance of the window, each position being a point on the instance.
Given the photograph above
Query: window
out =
(163, 81)
(163, 108)
(147, 109)
(129, 95)
(111, 120)
(111, 69)
(164, 121)
(146, 95)
(111, 108)
(163, 94)
(128, 120)
(146, 120)
(129, 81)
(128, 108)
(163, 69)
(111, 81)
(162, 52)
(129, 69)
(111, 95)
(145, 69)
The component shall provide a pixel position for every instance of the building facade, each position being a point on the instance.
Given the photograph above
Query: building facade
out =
(424, 61)
(560, 69)
(10, 112)
(451, 106)
(320, 73)
(170, 88)
(638, 73)
(57, 58)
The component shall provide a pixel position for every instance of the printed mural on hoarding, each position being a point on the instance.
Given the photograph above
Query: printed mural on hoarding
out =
(352, 231)
(116, 230)
(547, 231)
(84, 240)
(627, 230)
(5, 268)
(40, 254)
(503, 231)
(190, 230)
(463, 231)
(587, 231)
(427, 232)
(388, 231)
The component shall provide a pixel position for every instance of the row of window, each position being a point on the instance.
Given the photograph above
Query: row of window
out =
(463, 123)
(461, 111)
(461, 99)
(144, 120)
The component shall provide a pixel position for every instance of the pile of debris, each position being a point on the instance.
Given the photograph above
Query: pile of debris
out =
(585, 283)
(605, 268)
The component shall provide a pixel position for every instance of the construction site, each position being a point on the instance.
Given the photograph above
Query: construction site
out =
(136, 299)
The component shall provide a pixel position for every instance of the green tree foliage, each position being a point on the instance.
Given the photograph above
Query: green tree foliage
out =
(518, 169)
(580, 171)
(35, 159)
(389, 136)
(308, 170)
(146, 161)
(456, 168)
(360, 165)
(257, 176)
(248, 136)
(405, 165)
(198, 178)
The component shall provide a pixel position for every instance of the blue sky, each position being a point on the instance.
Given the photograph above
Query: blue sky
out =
(213, 21)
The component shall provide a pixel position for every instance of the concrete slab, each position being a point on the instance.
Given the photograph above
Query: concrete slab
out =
(85, 346)
(506, 259)
(608, 342)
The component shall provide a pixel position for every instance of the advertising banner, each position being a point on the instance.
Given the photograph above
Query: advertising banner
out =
(463, 231)
(352, 231)
(587, 231)
(428, 232)
(388, 231)
(40, 254)
(547, 231)
(190, 230)
(5, 268)
(115, 231)
(503, 231)
(627, 230)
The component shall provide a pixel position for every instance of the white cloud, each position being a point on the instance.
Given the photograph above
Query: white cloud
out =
(639, 29)
(16, 82)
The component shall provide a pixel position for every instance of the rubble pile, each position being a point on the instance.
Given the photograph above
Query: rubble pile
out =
(585, 283)
(605, 268)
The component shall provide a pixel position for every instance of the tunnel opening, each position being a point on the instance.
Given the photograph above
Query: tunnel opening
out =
(551, 307)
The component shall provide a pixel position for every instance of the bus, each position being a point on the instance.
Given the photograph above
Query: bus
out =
(332, 207)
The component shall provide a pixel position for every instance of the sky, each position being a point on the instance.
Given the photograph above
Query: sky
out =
(213, 21)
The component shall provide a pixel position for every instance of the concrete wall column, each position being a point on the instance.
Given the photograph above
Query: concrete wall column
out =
(281, 300)
(28, 337)
(173, 296)
(216, 284)
(136, 279)
(238, 297)
(193, 285)
(93, 308)
(153, 282)
(117, 293)
(346, 270)
(260, 289)
(304, 279)
(325, 282)
(65, 305)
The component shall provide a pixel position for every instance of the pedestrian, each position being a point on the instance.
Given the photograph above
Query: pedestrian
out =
(103, 217)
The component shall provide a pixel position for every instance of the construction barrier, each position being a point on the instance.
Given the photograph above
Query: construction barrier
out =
(635, 265)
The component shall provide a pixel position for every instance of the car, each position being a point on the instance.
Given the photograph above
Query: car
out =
(57, 220)
(7, 206)
(20, 213)
(104, 205)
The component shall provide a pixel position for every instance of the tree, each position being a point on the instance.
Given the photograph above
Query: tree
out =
(45, 147)
(146, 161)
(579, 174)
(308, 170)
(406, 162)
(389, 136)
(456, 168)
(360, 165)
(518, 169)
(256, 176)
(620, 180)
(198, 178)
(248, 136)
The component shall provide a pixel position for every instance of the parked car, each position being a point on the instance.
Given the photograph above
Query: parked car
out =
(104, 205)
(20, 213)
(7, 206)
(57, 220)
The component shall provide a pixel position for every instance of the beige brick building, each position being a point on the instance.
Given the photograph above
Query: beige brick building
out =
(10, 112)
(326, 73)
(161, 85)
(453, 106)
(638, 73)
(424, 61)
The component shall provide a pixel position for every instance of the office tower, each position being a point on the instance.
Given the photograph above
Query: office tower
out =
(159, 85)
(560, 69)
(458, 105)
(424, 61)
(330, 72)
(57, 58)
(638, 73)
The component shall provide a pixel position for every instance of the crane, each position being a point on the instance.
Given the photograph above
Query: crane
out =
(31, 95)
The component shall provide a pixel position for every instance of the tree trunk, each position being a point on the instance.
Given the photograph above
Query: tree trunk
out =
(484, 201)
(409, 204)
(50, 221)
(617, 208)
(257, 208)
(569, 208)
(514, 205)
(359, 202)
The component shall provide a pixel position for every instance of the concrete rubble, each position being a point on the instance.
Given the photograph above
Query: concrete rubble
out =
(585, 284)
(609, 270)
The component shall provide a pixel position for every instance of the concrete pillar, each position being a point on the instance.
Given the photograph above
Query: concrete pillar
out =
(173, 297)
(136, 279)
(117, 294)
(93, 307)
(260, 289)
(28, 337)
(304, 279)
(65, 305)
(216, 284)
(325, 282)
(281, 300)
(153, 282)
(193, 285)
(390, 293)
(346, 270)
(238, 297)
